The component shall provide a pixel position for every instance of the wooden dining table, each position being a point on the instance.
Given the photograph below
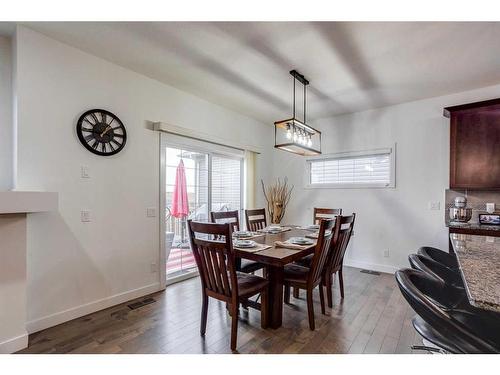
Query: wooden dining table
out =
(275, 259)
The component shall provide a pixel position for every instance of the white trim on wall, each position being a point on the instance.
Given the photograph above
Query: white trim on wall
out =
(14, 344)
(370, 266)
(88, 308)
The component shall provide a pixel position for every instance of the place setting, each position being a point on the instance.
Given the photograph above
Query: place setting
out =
(275, 229)
(249, 245)
(246, 235)
(296, 243)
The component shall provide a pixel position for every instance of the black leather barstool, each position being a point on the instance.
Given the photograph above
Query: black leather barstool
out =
(458, 330)
(433, 336)
(440, 256)
(437, 270)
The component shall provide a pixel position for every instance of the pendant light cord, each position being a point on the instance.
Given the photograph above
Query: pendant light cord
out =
(304, 103)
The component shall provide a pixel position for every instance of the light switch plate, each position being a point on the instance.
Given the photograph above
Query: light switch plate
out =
(85, 216)
(151, 212)
(85, 172)
(435, 206)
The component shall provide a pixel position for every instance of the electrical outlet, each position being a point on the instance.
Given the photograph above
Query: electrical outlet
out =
(154, 267)
(85, 216)
(386, 253)
(151, 212)
(84, 171)
(435, 206)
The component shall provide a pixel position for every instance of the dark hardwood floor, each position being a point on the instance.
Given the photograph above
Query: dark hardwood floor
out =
(373, 318)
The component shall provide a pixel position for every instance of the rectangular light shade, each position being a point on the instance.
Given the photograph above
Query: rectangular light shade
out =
(282, 142)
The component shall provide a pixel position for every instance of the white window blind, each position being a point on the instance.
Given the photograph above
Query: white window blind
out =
(226, 183)
(357, 169)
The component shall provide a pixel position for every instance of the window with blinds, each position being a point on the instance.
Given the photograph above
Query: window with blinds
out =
(357, 169)
(226, 183)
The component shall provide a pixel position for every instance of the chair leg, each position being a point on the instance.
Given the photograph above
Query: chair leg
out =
(329, 296)
(341, 283)
(296, 292)
(234, 326)
(310, 309)
(204, 313)
(263, 308)
(322, 298)
(287, 294)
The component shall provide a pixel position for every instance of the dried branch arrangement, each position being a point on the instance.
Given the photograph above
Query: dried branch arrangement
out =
(277, 196)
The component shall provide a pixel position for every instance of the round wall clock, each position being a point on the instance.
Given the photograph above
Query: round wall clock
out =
(101, 132)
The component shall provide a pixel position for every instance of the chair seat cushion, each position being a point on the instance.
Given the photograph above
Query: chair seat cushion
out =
(294, 273)
(250, 266)
(248, 284)
(306, 261)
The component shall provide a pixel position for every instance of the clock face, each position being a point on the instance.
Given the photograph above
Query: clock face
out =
(101, 132)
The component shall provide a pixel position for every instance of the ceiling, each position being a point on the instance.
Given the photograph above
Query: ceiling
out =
(352, 66)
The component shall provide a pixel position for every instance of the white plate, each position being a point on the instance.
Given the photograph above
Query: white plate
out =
(242, 234)
(244, 243)
(300, 241)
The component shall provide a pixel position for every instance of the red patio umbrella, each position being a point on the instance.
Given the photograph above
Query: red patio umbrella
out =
(180, 205)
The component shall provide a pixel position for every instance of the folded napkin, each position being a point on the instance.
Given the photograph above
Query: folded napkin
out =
(289, 245)
(259, 247)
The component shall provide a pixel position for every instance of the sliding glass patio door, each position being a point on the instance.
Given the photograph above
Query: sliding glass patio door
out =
(213, 182)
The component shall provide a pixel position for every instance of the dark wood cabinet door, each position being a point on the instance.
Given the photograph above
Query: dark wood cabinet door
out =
(475, 148)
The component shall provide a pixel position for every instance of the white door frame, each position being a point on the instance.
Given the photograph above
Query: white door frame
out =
(165, 142)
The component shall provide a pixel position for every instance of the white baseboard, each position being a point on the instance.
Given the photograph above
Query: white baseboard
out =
(370, 266)
(14, 344)
(88, 308)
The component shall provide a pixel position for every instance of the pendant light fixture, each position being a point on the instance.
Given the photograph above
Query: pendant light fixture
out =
(296, 136)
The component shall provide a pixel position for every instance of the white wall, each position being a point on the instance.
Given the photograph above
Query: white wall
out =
(395, 219)
(73, 267)
(5, 113)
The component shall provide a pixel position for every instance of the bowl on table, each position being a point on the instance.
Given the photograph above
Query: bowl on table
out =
(244, 243)
(242, 234)
(300, 241)
(274, 228)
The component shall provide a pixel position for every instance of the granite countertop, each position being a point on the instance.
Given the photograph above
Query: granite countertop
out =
(473, 226)
(479, 260)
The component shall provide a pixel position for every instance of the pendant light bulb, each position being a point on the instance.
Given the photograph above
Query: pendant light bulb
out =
(295, 136)
(309, 142)
(288, 132)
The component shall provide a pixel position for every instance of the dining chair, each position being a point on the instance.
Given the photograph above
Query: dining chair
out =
(256, 219)
(325, 213)
(232, 217)
(213, 251)
(335, 261)
(297, 276)
(223, 217)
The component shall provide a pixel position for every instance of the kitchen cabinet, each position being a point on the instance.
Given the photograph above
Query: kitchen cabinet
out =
(475, 145)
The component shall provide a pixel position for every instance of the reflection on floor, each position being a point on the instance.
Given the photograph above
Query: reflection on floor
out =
(373, 318)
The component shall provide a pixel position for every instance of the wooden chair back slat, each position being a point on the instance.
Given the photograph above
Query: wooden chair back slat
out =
(325, 213)
(321, 251)
(256, 219)
(223, 217)
(215, 258)
(340, 243)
